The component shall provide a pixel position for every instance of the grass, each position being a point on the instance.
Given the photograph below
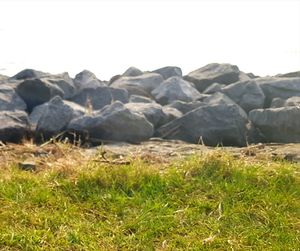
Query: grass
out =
(209, 202)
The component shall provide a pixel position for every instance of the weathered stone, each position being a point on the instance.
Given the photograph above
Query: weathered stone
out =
(56, 116)
(14, 126)
(185, 107)
(219, 98)
(152, 111)
(169, 71)
(275, 87)
(132, 72)
(212, 125)
(215, 87)
(115, 123)
(139, 85)
(277, 102)
(171, 114)
(36, 91)
(10, 100)
(247, 94)
(280, 125)
(174, 89)
(293, 101)
(28, 74)
(295, 74)
(87, 79)
(99, 97)
(140, 99)
(213, 73)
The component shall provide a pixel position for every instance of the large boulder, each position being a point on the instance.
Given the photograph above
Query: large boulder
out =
(218, 98)
(212, 125)
(152, 111)
(37, 91)
(213, 73)
(132, 72)
(99, 97)
(55, 117)
(14, 126)
(280, 125)
(10, 100)
(213, 88)
(139, 85)
(185, 107)
(275, 87)
(247, 94)
(28, 74)
(175, 88)
(277, 102)
(87, 79)
(114, 122)
(169, 71)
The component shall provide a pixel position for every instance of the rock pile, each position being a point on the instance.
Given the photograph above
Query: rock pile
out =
(215, 105)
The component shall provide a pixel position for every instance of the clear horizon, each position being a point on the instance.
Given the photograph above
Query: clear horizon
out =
(107, 37)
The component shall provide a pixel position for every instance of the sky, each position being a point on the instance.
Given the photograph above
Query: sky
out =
(107, 37)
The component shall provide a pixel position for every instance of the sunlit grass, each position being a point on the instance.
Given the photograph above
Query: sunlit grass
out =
(209, 202)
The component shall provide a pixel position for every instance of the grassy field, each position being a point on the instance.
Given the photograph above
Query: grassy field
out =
(208, 202)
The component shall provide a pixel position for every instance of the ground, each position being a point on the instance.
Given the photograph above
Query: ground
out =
(159, 195)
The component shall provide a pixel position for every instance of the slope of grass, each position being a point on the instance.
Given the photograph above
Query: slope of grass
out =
(209, 202)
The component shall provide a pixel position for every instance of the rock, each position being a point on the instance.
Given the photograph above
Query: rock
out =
(115, 123)
(14, 126)
(213, 73)
(293, 101)
(212, 125)
(100, 97)
(27, 166)
(173, 89)
(56, 116)
(64, 82)
(281, 125)
(140, 99)
(152, 111)
(185, 107)
(139, 85)
(35, 115)
(218, 98)
(170, 114)
(28, 74)
(295, 74)
(87, 79)
(36, 91)
(113, 79)
(251, 75)
(10, 100)
(169, 71)
(246, 94)
(215, 87)
(132, 72)
(275, 87)
(243, 77)
(277, 102)
(3, 78)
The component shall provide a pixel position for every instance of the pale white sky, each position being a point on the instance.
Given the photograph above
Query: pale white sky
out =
(107, 37)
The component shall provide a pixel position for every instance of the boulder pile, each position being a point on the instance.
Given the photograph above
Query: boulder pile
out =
(214, 105)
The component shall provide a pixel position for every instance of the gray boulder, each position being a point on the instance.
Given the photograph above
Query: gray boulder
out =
(213, 73)
(99, 97)
(14, 126)
(175, 88)
(293, 101)
(152, 111)
(215, 87)
(275, 87)
(37, 91)
(115, 123)
(3, 78)
(139, 85)
(169, 71)
(280, 125)
(295, 74)
(132, 72)
(28, 74)
(140, 99)
(171, 114)
(185, 107)
(212, 125)
(277, 102)
(10, 100)
(218, 98)
(55, 117)
(247, 94)
(87, 79)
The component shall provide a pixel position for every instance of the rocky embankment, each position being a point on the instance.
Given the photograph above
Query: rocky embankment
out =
(215, 105)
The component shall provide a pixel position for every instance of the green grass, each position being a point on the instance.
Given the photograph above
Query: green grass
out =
(210, 202)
